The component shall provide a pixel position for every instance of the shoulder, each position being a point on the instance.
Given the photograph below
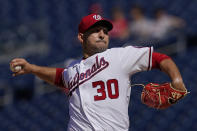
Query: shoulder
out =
(71, 64)
(131, 48)
(117, 49)
(128, 52)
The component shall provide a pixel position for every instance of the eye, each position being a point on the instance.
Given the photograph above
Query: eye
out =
(105, 31)
(97, 30)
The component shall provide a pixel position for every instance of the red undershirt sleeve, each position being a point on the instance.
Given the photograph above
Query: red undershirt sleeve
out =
(58, 78)
(157, 58)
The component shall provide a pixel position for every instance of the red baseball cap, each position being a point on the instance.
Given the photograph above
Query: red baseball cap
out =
(92, 20)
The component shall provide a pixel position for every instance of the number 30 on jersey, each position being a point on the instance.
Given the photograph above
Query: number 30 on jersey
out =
(112, 90)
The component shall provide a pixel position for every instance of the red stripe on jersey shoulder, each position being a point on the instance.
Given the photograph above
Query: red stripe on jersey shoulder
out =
(58, 78)
(157, 58)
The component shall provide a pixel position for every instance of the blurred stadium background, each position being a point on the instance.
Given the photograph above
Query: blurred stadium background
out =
(44, 32)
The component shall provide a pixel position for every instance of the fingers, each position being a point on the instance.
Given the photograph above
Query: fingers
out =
(18, 62)
(18, 73)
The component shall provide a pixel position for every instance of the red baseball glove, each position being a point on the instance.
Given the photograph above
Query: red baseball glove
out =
(161, 96)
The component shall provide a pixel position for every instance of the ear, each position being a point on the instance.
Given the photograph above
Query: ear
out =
(80, 38)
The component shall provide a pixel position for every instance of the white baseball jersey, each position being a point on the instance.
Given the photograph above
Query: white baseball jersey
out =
(99, 88)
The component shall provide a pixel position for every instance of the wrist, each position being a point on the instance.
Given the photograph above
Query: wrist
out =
(32, 68)
(178, 84)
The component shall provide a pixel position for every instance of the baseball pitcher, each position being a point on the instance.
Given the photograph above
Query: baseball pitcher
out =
(98, 85)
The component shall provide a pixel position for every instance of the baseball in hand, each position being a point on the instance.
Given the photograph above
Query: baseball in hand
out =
(15, 68)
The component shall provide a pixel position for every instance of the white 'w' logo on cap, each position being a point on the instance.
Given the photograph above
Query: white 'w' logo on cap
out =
(97, 17)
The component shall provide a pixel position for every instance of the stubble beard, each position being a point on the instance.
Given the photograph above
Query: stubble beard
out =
(91, 50)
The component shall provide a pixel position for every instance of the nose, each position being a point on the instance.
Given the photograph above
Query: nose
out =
(101, 34)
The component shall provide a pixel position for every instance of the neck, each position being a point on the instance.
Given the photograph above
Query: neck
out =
(91, 51)
(85, 55)
(88, 53)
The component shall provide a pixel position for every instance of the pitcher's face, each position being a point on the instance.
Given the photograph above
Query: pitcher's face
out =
(96, 40)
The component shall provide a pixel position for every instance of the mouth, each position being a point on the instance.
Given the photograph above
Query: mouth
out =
(101, 41)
